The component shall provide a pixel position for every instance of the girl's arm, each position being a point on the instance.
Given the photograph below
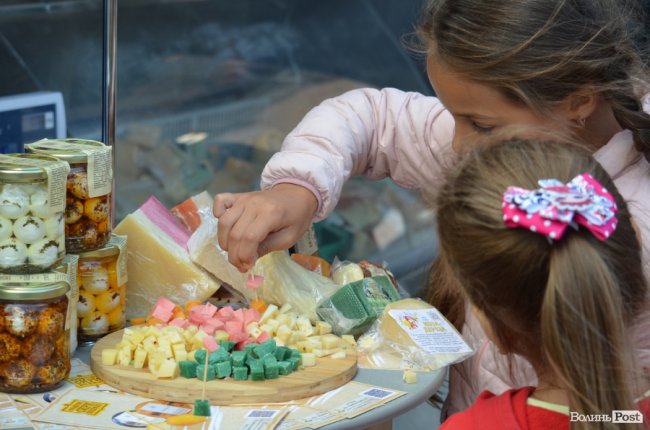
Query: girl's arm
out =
(376, 133)
(406, 136)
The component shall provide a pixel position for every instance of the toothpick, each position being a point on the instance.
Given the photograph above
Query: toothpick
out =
(205, 374)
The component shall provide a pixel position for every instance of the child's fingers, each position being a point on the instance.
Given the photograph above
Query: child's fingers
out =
(227, 221)
(223, 202)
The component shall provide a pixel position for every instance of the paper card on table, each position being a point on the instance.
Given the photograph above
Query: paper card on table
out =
(301, 417)
(261, 417)
(11, 417)
(101, 410)
(354, 398)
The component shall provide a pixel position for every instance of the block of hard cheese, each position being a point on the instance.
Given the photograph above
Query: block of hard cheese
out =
(158, 262)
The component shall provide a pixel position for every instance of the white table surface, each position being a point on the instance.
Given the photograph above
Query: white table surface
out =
(427, 384)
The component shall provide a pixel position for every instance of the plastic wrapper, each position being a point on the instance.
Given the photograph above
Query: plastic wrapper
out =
(345, 272)
(285, 281)
(158, 262)
(356, 305)
(411, 334)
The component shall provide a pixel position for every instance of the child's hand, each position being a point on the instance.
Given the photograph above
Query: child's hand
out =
(253, 224)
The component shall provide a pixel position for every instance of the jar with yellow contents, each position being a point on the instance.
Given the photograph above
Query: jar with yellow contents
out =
(102, 291)
(34, 351)
(89, 185)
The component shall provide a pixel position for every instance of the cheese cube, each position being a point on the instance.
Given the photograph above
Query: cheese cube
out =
(109, 356)
(285, 308)
(410, 377)
(221, 336)
(304, 325)
(349, 339)
(270, 312)
(330, 341)
(307, 359)
(166, 347)
(323, 327)
(338, 355)
(283, 333)
(253, 329)
(168, 369)
(139, 358)
(180, 353)
(124, 357)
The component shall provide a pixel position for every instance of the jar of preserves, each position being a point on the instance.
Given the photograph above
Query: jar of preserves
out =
(34, 351)
(89, 186)
(32, 203)
(102, 291)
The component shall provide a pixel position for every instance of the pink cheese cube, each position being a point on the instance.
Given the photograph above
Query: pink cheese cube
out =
(251, 315)
(197, 316)
(233, 327)
(264, 336)
(238, 315)
(208, 329)
(164, 303)
(161, 314)
(210, 344)
(254, 281)
(226, 312)
(219, 325)
(208, 310)
(239, 336)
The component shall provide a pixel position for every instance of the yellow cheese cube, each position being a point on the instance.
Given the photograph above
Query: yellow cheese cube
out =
(168, 369)
(349, 339)
(180, 353)
(323, 327)
(139, 358)
(330, 341)
(338, 355)
(254, 330)
(109, 356)
(285, 308)
(410, 377)
(219, 336)
(308, 359)
(124, 357)
(165, 346)
(283, 333)
(270, 312)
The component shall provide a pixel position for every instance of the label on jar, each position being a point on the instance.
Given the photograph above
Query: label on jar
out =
(57, 174)
(120, 242)
(70, 265)
(100, 164)
(49, 277)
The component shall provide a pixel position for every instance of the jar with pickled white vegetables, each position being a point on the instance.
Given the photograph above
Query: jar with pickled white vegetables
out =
(89, 185)
(32, 203)
(101, 276)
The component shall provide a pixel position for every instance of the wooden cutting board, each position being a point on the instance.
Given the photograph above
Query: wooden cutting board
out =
(310, 381)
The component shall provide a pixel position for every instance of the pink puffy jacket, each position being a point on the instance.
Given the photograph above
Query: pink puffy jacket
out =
(407, 136)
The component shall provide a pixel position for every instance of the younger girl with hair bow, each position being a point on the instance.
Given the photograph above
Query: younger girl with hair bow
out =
(541, 243)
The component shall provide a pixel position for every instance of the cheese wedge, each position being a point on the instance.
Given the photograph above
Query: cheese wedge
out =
(158, 262)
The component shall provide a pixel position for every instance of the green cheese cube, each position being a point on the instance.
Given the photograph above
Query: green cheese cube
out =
(209, 375)
(188, 368)
(271, 370)
(238, 358)
(257, 372)
(199, 356)
(240, 373)
(223, 369)
(295, 362)
(285, 367)
(227, 345)
(218, 356)
(282, 353)
(201, 408)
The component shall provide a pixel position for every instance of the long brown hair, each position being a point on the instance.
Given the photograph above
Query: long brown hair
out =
(563, 305)
(539, 52)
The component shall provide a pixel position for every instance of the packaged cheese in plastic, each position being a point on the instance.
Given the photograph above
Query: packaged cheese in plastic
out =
(411, 334)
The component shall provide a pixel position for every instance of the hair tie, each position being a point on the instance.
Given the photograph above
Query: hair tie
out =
(550, 209)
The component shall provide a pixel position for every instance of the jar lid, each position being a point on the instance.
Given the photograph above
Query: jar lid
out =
(106, 251)
(17, 172)
(72, 156)
(35, 291)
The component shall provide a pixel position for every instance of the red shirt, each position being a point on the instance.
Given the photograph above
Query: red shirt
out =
(508, 411)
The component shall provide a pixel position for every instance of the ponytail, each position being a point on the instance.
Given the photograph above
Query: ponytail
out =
(583, 320)
(629, 113)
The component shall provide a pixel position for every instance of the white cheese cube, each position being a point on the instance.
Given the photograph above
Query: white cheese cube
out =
(410, 377)
(109, 356)
(338, 355)
(307, 359)
(139, 358)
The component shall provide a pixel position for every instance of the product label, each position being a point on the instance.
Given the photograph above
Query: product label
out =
(99, 166)
(85, 407)
(120, 242)
(57, 174)
(430, 330)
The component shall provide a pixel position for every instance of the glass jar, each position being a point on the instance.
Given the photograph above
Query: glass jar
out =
(88, 201)
(102, 294)
(31, 229)
(34, 351)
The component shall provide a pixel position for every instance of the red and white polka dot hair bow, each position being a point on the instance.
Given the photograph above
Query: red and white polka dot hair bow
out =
(550, 209)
